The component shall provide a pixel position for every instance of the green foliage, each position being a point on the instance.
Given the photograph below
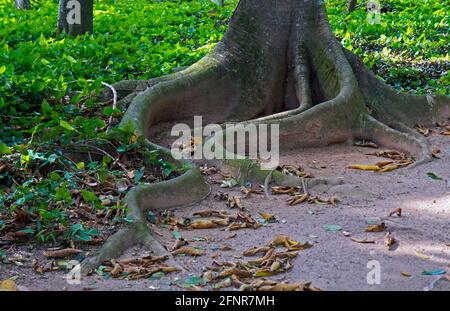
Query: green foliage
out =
(408, 49)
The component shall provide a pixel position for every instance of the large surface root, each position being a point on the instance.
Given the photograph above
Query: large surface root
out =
(279, 63)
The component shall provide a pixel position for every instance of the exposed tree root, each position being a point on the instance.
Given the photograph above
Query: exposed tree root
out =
(279, 63)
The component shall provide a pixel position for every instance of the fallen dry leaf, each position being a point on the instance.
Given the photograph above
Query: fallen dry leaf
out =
(8, 286)
(190, 251)
(365, 167)
(397, 211)
(422, 255)
(283, 190)
(423, 130)
(179, 243)
(365, 241)
(235, 201)
(376, 228)
(285, 287)
(366, 144)
(406, 274)
(62, 253)
(389, 240)
(436, 153)
(248, 191)
(268, 217)
(298, 199)
(208, 223)
(256, 250)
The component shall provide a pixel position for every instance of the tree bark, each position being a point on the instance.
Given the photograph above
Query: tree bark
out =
(22, 4)
(278, 63)
(351, 5)
(76, 17)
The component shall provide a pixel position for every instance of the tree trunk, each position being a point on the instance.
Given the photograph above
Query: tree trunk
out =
(76, 16)
(351, 5)
(22, 4)
(278, 63)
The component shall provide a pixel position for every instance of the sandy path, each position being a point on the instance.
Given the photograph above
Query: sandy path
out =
(335, 262)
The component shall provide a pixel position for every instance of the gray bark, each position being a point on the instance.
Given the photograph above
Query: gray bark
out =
(22, 4)
(351, 5)
(76, 17)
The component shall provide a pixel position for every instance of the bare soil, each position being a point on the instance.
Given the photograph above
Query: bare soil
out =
(335, 262)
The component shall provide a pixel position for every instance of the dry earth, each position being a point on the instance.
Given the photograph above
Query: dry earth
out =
(335, 262)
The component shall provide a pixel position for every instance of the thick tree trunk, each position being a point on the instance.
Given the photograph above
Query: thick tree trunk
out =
(278, 63)
(76, 16)
(22, 4)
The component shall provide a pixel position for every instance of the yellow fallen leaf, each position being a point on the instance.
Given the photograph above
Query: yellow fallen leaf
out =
(264, 272)
(8, 286)
(283, 190)
(276, 265)
(208, 223)
(376, 228)
(422, 255)
(365, 167)
(268, 217)
(298, 199)
(188, 251)
(406, 274)
(389, 168)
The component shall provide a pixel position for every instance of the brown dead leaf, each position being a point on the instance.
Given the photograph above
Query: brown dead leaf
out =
(62, 253)
(235, 201)
(423, 130)
(366, 144)
(116, 271)
(397, 211)
(268, 217)
(298, 199)
(364, 167)
(331, 201)
(293, 171)
(248, 191)
(376, 228)
(389, 240)
(256, 250)
(208, 223)
(190, 251)
(283, 190)
(241, 273)
(365, 241)
(436, 153)
(179, 243)
(406, 274)
(285, 287)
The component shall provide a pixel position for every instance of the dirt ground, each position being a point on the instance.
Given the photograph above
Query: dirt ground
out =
(335, 262)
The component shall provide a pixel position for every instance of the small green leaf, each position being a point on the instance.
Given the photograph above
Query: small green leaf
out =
(4, 149)
(332, 228)
(433, 176)
(176, 234)
(89, 196)
(66, 125)
(80, 165)
(2, 69)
